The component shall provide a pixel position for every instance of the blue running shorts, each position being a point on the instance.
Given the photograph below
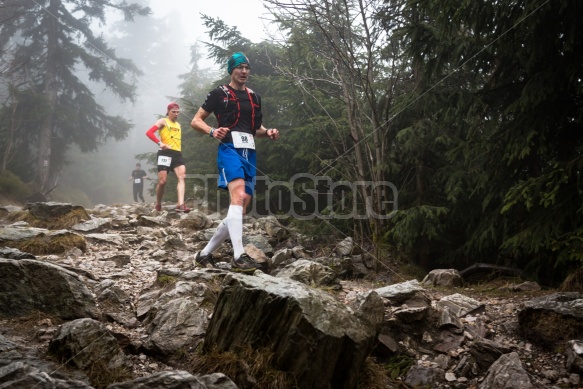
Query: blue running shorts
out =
(236, 163)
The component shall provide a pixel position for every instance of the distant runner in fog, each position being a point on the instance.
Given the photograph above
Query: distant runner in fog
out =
(238, 111)
(138, 176)
(169, 155)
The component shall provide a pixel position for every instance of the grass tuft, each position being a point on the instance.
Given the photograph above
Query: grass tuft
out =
(247, 367)
(573, 282)
(43, 245)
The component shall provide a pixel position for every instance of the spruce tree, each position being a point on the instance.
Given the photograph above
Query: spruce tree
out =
(52, 43)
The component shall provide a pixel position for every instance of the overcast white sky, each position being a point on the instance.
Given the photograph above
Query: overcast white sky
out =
(243, 14)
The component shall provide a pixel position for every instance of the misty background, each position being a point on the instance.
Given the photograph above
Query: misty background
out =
(160, 46)
(472, 111)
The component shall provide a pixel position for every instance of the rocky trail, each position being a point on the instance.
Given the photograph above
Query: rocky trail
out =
(110, 297)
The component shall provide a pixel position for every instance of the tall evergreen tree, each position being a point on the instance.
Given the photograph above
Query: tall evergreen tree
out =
(52, 41)
(519, 114)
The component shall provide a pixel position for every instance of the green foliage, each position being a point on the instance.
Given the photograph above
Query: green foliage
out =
(418, 226)
(497, 81)
(398, 366)
(471, 109)
(165, 280)
(19, 118)
(12, 186)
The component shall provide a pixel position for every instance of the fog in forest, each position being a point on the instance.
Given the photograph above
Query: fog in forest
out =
(160, 46)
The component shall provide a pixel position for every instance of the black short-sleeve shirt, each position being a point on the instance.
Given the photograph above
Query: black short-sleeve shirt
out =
(138, 173)
(216, 102)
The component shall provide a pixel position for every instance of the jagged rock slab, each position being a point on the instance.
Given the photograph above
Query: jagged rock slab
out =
(28, 286)
(507, 373)
(178, 379)
(311, 334)
(552, 319)
(84, 343)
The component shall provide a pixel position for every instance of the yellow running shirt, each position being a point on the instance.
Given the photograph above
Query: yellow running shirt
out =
(171, 134)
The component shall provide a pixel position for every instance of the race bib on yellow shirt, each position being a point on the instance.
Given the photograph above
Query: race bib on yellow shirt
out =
(164, 160)
(242, 140)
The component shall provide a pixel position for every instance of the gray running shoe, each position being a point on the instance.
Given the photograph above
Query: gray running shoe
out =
(243, 264)
(204, 260)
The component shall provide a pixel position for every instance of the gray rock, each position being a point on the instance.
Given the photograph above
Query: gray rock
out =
(460, 305)
(177, 323)
(312, 335)
(410, 315)
(95, 224)
(369, 306)
(27, 286)
(275, 230)
(18, 233)
(10, 253)
(177, 379)
(346, 247)
(486, 352)
(424, 376)
(526, 286)
(120, 260)
(574, 353)
(299, 252)
(507, 373)
(553, 319)
(309, 273)
(197, 220)
(177, 318)
(50, 210)
(386, 346)
(401, 292)
(259, 241)
(84, 343)
(443, 277)
(115, 239)
(152, 221)
(18, 375)
(447, 319)
(282, 258)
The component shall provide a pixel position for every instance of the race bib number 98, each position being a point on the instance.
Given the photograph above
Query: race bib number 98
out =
(242, 140)
(164, 160)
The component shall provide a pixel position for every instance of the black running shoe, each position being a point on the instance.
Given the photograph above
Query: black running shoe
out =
(243, 264)
(204, 260)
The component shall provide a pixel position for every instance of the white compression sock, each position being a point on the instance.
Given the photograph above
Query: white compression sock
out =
(218, 237)
(234, 222)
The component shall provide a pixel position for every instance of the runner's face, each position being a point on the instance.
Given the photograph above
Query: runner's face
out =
(241, 73)
(173, 114)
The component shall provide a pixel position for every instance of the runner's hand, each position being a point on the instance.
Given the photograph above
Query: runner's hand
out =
(220, 133)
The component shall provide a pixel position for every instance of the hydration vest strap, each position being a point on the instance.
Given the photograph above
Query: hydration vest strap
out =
(232, 96)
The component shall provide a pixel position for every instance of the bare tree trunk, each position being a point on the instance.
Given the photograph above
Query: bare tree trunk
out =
(14, 126)
(352, 49)
(46, 131)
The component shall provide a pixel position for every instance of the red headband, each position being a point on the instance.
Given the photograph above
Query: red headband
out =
(172, 105)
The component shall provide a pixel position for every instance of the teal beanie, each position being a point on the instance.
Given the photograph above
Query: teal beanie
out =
(236, 60)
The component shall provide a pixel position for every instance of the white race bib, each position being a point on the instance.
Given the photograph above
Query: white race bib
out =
(137, 180)
(242, 140)
(164, 160)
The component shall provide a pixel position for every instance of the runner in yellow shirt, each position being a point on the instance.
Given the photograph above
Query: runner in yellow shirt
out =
(170, 155)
